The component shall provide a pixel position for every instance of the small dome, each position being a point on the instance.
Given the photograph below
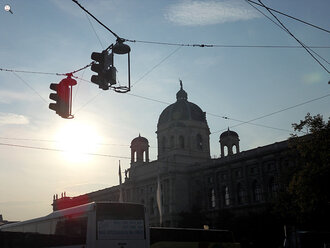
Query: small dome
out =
(228, 133)
(181, 110)
(139, 140)
(181, 94)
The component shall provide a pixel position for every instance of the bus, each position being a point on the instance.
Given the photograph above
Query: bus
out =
(92, 225)
(164, 237)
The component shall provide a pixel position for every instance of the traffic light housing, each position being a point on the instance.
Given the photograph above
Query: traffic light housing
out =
(104, 68)
(62, 97)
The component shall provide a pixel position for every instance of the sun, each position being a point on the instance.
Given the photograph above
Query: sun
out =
(78, 141)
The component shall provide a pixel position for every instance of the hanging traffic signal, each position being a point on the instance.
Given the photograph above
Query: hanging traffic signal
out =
(62, 97)
(104, 68)
(54, 96)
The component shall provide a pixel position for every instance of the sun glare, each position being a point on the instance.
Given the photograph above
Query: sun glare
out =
(78, 140)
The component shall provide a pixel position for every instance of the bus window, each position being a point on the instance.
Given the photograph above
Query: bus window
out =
(30, 228)
(120, 222)
(72, 228)
(44, 227)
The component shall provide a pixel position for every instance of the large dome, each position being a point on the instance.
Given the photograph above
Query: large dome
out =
(181, 110)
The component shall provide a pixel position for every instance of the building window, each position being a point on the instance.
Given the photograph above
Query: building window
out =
(199, 140)
(134, 156)
(212, 198)
(238, 173)
(172, 141)
(240, 194)
(272, 187)
(223, 176)
(226, 196)
(181, 142)
(234, 149)
(256, 191)
(225, 151)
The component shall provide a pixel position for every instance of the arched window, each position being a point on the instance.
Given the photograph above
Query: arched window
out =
(212, 198)
(172, 141)
(234, 149)
(135, 156)
(226, 196)
(240, 194)
(225, 151)
(199, 142)
(144, 156)
(181, 141)
(272, 187)
(256, 191)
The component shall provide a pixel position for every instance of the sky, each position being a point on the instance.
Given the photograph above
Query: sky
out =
(240, 83)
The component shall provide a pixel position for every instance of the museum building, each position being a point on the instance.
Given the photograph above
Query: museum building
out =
(185, 177)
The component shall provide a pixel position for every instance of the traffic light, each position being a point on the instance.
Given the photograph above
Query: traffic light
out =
(62, 97)
(104, 68)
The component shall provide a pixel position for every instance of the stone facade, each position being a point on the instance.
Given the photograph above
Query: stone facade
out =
(187, 176)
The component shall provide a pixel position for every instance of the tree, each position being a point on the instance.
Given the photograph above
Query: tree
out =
(306, 197)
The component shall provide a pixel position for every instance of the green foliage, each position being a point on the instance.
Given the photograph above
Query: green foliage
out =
(306, 197)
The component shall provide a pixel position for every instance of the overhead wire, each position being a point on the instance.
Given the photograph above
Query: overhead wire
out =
(155, 66)
(107, 155)
(276, 112)
(75, 1)
(301, 43)
(29, 86)
(254, 124)
(61, 150)
(249, 2)
(279, 12)
(98, 38)
(219, 45)
(48, 73)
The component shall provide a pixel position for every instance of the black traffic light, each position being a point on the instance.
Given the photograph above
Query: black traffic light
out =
(104, 68)
(54, 96)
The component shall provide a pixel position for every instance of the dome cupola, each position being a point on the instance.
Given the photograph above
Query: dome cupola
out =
(181, 110)
(139, 150)
(181, 94)
(229, 140)
(182, 129)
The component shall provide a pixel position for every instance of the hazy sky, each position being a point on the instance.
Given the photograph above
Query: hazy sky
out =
(239, 83)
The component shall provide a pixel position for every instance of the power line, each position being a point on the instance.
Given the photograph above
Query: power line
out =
(155, 66)
(279, 12)
(286, 31)
(58, 141)
(276, 112)
(47, 73)
(224, 117)
(218, 45)
(28, 85)
(91, 154)
(98, 38)
(60, 150)
(75, 1)
(254, 124)
(302, 44)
